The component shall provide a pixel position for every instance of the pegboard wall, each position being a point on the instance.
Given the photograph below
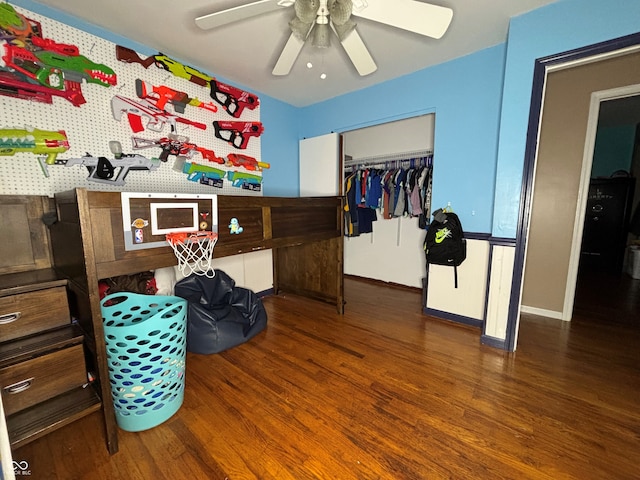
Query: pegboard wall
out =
(91, 126)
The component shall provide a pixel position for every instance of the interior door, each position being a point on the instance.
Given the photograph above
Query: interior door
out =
(319, 165)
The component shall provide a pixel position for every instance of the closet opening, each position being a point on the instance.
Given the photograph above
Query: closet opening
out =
(387, 179)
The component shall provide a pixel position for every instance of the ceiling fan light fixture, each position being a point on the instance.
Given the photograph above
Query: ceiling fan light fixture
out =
(340, 11)
(321, 36)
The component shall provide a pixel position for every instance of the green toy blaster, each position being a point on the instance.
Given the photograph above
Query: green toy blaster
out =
(244, 180)
(178, 69)
(39, 142)
(204, 174)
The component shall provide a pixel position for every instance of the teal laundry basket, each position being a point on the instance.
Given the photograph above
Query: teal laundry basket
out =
(146, 345)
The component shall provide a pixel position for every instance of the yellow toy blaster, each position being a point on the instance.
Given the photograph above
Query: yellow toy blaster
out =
(39, 142)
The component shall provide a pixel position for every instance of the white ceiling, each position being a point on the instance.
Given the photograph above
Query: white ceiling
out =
(245, 52)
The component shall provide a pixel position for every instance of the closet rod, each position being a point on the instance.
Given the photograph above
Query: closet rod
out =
(392, 157)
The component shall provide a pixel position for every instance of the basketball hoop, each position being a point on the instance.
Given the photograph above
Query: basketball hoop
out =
(194, 251)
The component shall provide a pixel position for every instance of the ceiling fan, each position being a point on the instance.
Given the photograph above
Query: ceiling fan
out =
(316, 19)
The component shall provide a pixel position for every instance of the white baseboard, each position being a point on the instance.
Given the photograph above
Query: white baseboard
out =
(541, 312)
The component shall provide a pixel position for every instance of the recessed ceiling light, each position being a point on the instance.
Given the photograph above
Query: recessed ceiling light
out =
(323, 76)
(309, 65)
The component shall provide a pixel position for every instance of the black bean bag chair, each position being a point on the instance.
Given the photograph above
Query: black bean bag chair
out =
(220, 315)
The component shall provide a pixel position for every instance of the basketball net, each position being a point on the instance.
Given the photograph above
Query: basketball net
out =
(194, 251)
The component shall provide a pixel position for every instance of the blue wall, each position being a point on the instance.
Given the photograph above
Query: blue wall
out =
(465, 95)
(279, 145)
(559, 27)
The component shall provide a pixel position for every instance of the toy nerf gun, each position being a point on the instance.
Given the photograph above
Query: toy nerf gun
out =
(177, 145)
(109, 172)
(237, 133)
(127, 55)
(40, 142)
(245, 161)
(162, 95)
(17, 86)
(232, 99)
(204, 174)
(155, 117)
(53, 67)
(245, 180)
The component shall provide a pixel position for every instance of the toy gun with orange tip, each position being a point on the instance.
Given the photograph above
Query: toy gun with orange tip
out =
(39, 142)
(161, 95)
(245, 161)
(232, 99)
(237, 133)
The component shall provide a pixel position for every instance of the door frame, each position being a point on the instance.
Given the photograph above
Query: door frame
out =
(543, 66)
(583, 192)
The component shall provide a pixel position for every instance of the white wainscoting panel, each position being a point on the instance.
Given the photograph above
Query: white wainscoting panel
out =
(499, 291)
(468, 299)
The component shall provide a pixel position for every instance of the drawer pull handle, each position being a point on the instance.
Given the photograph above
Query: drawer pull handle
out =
(9, 317)
(19, 386)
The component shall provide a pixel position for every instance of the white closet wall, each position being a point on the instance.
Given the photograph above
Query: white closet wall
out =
(393, 252)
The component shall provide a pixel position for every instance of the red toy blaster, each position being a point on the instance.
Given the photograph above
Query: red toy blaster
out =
(14, 86)
(177, 145)
(237, 133)
(232, 99)
(161, 95)
(245, 161)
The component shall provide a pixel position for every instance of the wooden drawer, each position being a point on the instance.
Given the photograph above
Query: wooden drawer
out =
(33, 381)
(27, 313)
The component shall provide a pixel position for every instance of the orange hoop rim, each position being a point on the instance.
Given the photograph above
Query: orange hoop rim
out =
(182, 237)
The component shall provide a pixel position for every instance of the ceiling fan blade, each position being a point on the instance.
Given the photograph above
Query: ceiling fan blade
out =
(224, 17)
(422, 18)
(289, 55)
(358, 53)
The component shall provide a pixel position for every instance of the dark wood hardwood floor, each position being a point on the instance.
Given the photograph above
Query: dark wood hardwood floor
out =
(384, 392)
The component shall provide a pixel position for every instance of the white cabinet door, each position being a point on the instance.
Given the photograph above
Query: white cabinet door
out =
(319, 165)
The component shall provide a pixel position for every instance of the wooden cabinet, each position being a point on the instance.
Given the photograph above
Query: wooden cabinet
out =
(43, 374)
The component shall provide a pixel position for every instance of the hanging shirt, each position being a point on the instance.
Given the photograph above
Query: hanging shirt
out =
(400, 206)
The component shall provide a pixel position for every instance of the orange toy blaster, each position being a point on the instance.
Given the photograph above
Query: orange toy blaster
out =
(245, 161)
(162, 95)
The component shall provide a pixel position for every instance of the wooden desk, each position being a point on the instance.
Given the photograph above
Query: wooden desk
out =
(305, 235)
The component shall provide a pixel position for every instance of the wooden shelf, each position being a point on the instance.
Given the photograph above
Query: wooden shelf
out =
(22, 349)
(31, 281)
(32, 423)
